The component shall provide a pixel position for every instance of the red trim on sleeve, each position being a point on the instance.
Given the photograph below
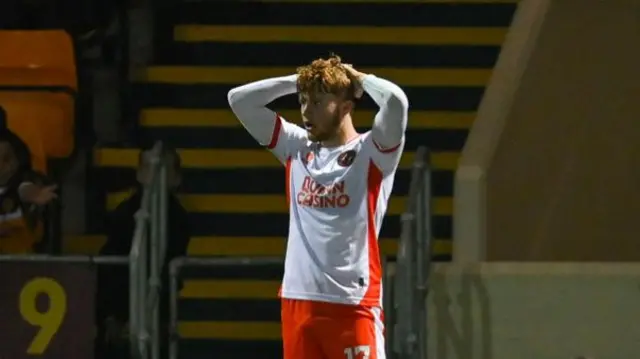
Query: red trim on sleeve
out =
(276, 133)
(385, 150)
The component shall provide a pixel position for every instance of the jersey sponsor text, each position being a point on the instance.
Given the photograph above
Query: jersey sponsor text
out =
(315, 195)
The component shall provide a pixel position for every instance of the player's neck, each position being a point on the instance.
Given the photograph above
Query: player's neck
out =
(344, 134)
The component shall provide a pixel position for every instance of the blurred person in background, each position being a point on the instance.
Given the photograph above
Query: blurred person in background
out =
(23, 195)
(113, 283)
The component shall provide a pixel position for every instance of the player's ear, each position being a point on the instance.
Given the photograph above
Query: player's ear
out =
(346, 107)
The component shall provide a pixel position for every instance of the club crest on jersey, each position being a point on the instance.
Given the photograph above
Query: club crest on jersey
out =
(309, 157)
(346, 158)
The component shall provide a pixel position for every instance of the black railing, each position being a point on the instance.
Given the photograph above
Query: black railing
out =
(408, 328)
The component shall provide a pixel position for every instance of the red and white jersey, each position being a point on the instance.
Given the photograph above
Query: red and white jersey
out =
(337, 200)
(337, 196)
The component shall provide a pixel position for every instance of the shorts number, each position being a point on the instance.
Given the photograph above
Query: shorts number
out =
(352, 353)
(48, 321)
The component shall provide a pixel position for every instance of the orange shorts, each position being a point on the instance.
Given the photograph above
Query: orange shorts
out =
(319, 330)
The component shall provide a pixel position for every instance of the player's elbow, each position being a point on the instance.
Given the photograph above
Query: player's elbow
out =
(234, 97)
(240, 97)
(397, 106)
(397, 100)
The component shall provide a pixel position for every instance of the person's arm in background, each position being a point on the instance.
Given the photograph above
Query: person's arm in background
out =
(120, 225)
(179, 232)
(36, 194)
(112, 306)
(34, 189)
(180, 249)
(249, 104)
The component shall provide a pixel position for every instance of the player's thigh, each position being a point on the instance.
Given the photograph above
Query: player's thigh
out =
(358, 336)
(297, 337)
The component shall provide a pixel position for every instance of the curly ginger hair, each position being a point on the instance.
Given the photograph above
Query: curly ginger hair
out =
(325, 76)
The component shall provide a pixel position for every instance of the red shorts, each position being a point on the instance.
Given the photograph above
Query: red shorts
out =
(319, 330)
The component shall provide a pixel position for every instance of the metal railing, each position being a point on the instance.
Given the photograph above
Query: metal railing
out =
(408, 336)
(389, 271)
(148, 251)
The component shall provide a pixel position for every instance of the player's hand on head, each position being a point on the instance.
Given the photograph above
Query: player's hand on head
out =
(359, 91)
(353, 73)
(356, 77)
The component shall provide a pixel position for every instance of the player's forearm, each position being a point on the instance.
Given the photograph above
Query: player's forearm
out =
(391, 121)
(248, 102)
(261, 93)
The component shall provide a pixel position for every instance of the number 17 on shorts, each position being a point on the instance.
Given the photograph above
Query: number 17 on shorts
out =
(317, 330)
(357, 352)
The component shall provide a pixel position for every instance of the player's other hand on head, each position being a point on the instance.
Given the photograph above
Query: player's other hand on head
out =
(356, 77)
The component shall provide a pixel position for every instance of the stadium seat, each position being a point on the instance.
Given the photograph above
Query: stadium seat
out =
(37, 58)
(37, 86)
(33, 116)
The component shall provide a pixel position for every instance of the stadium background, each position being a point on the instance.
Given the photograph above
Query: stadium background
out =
(174, 89)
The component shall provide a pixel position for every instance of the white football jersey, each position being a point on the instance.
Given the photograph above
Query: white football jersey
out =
(337, 200)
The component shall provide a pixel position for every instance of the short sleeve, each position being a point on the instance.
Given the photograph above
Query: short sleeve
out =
(386, 159)
(286, 139)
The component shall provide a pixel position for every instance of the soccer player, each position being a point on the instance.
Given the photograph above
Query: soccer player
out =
(338, 184)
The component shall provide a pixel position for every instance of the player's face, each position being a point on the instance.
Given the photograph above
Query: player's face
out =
(322, 114)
